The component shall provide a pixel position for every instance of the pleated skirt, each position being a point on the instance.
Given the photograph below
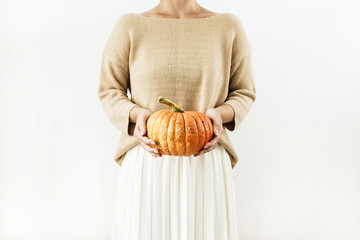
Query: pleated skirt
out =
(175, 197)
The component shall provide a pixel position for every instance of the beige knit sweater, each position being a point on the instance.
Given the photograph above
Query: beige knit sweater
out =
(198, 63)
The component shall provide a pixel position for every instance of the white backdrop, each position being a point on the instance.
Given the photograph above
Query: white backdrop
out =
(298, 173)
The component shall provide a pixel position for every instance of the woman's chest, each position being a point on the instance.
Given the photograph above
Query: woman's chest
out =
(183, 57)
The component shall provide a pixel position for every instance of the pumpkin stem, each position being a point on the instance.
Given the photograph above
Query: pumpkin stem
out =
(174, 106)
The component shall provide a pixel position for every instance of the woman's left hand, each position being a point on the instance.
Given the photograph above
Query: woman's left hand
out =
(218, 129)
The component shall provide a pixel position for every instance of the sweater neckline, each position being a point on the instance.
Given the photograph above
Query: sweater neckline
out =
(176, 19)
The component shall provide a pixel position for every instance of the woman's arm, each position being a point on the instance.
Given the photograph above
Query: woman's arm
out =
(114, 78)
(242, 91)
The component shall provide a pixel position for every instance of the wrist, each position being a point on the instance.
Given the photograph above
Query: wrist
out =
(134, 113)
(217, 111)
(137, 112)
(226, 112)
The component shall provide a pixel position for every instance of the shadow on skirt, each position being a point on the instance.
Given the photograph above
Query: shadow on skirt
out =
(175, 197)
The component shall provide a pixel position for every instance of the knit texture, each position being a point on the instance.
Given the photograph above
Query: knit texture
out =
(199, 63)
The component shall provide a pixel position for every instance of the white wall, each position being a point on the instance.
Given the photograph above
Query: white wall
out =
(298, 174)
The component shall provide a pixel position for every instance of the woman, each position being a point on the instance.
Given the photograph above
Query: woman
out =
(200, 60)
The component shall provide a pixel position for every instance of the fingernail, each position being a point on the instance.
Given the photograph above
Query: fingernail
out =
(217, 132)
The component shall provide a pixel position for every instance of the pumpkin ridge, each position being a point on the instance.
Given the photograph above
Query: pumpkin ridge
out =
(150, 122)
(206, 126)
(172, 134)
(156, 135)
(166, 142)
(179, 134)
(197, 130)
(167, 133)
(202, 128)
(185, 129)
(211, 126)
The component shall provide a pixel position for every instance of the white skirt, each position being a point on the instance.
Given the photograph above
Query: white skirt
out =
(175, 197)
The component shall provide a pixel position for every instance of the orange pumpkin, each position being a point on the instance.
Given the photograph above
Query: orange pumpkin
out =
(177, 132)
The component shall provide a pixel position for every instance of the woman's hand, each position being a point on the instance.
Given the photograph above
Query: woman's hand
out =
(140, 132)
(218, 129)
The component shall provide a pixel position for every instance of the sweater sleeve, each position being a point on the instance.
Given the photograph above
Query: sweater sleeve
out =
(241, 91)
(114, 78)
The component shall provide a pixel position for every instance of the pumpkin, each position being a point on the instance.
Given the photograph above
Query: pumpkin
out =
(177, 132)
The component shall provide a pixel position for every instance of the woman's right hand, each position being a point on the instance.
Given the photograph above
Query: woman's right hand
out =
(140, 132)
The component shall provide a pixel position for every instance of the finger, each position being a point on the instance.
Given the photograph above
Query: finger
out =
(152, 154)
(208, 145)
(151, 150)
(155, 154)
(204, 150)
(147, 140)
(218, 130)
(212, 142)
(200, 153)
(142, 138)
(205, 147)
